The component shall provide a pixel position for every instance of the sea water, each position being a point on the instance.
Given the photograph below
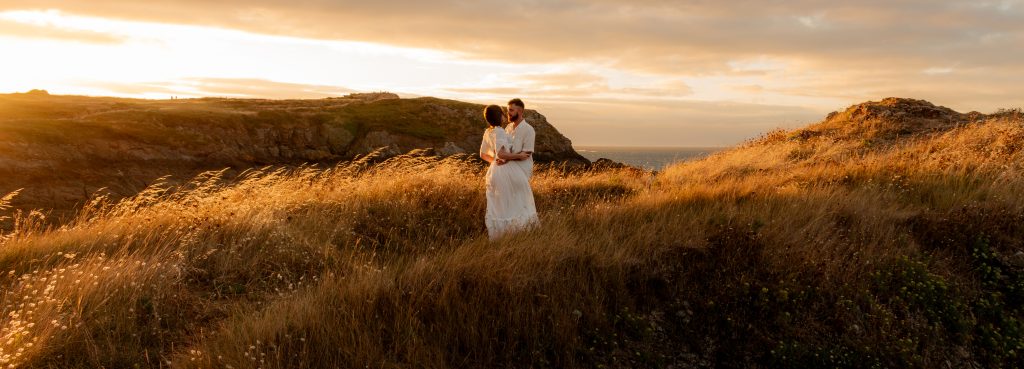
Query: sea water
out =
(652, 158)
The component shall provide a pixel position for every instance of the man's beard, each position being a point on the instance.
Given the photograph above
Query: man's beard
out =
(513, 118)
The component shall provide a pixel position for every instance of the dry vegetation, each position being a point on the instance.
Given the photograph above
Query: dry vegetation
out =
(872, 239)
(60, 149)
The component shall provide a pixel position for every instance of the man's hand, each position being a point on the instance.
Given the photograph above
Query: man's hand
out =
(500, 161)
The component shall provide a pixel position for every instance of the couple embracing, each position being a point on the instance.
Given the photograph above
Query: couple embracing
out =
(510, 204)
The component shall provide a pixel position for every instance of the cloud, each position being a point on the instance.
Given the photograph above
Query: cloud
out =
(938, 70)
(249, 87)
(574, 84)
(866, 39)
(566, 81)
(752, 89)
(798, 57)
(42, 31)
(665, 88)
(689, 37)
(226, 87)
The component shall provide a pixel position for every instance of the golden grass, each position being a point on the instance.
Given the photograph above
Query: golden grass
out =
(786, 252)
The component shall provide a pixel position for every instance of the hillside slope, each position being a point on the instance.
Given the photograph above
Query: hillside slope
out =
(890, 235)
(61, 149)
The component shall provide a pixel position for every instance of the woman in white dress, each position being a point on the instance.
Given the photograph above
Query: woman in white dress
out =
(510, 203)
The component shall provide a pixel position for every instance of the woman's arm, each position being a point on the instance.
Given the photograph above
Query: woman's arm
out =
(485, 151)
(504, 154)
(514, 156)
(490, 159)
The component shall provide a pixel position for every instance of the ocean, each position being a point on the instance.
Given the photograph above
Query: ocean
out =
(652, 158)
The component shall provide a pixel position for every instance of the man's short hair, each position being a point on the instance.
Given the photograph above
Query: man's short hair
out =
(517, 102)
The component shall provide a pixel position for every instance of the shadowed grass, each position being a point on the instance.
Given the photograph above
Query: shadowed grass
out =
(796, 250)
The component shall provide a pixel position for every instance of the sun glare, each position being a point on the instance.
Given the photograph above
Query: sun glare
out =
(101, 56)
(170, 56)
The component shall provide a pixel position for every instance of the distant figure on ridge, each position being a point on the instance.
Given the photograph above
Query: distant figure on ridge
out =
(510, 203)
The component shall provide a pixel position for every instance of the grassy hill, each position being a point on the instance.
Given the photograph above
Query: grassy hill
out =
(63, 149)
(887, 235)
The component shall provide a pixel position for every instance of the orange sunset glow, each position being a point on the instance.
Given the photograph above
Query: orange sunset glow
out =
(577, 184)
(610, 72)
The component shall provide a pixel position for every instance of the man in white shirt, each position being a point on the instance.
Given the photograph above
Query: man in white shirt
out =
(522, 135)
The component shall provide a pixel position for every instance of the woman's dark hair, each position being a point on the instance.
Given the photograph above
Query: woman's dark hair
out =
(493, 114)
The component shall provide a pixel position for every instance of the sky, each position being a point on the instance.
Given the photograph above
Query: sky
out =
(604, 72)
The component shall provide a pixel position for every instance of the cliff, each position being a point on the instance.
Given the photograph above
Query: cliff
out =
(61, 149)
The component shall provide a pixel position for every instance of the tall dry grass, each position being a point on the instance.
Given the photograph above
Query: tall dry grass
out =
(135, 281)
(792, 251)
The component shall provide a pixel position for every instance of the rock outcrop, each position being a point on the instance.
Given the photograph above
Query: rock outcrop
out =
(63, 148)
(552, 147)
(887, 120)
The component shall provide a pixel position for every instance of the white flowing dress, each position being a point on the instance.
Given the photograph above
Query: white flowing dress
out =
(510, 203)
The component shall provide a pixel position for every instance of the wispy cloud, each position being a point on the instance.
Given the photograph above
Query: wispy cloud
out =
(11, 28)
(938, 70)
(810, 54)
(224, 87)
